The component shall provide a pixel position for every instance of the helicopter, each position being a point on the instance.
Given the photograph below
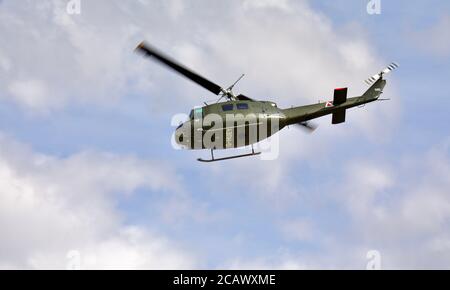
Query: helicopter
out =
(240, 121)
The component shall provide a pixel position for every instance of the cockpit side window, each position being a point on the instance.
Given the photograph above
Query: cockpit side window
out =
(242, 106)
(227, 107)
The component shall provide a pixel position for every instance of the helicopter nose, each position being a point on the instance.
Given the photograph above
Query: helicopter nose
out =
(181, 137)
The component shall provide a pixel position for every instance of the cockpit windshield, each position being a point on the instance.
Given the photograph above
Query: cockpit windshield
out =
(196, 113)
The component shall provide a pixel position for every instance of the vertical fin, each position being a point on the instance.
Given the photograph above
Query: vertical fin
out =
(340, 96)
(338, 117)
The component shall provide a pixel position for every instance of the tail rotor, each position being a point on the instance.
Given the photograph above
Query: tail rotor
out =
(379, 75)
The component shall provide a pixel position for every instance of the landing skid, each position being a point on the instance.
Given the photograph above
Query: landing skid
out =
(229, 157)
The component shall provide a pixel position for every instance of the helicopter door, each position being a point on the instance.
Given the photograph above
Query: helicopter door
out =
(265, 122)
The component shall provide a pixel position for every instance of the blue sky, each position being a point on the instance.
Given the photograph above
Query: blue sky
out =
(85, 124)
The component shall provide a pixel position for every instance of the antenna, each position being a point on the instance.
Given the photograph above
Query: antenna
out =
(232, 86)
(229, 92)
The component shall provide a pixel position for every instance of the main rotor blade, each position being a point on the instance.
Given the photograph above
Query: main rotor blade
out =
(243, 98)
(152, 52)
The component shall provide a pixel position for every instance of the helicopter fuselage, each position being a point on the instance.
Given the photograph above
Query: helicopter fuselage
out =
(230, 124)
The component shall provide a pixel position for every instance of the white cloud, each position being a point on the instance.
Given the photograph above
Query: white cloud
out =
(31, 93)
(80, 58)
(49, 206)
(365, 181)
(279, 4)
(266, 264)
(5, 64)
(404, 213)
(130, 248)
(399, 207)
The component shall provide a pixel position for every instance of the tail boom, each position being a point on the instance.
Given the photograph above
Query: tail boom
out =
(337, 107)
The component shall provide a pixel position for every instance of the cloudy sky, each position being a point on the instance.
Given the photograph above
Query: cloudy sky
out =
(88, 176)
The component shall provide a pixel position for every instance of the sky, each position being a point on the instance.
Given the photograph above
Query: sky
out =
(89, 178)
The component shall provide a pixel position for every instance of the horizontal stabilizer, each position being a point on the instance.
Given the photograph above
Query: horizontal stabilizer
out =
(340, 96)
(338, 117)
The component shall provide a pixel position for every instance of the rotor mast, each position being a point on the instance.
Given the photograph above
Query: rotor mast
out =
(229, 91)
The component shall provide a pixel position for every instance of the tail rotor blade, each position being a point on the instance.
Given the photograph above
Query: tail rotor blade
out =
(386, 70)
(390, 68)
(373, 79)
